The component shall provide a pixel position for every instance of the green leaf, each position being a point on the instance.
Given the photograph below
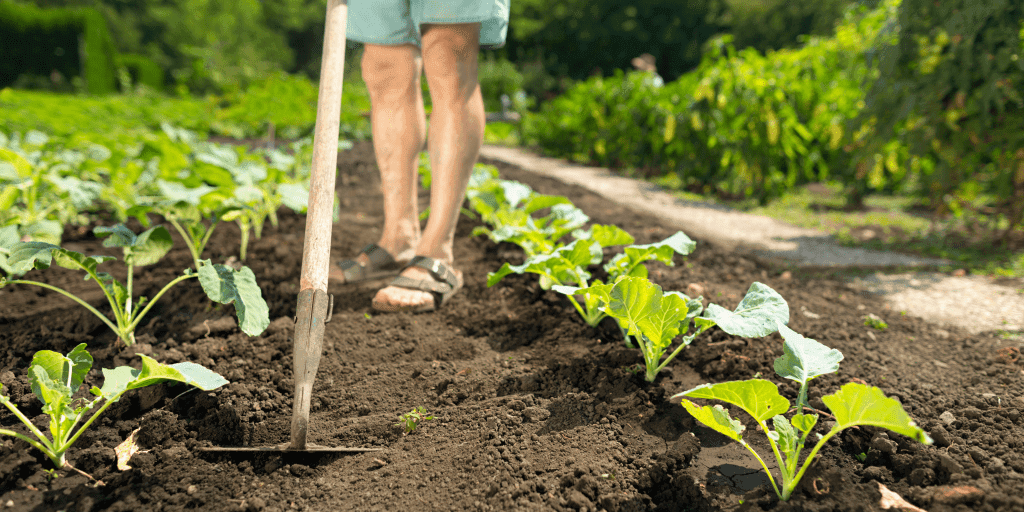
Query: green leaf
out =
(26, 256)
(43, 230)
(120, 235)
(662, 251)
(632, 300)
(115, 381)
(514, 192)
(153, 372)
(663, 325)
(150, 246)
(859, 404)
(716, 418)
(294, 196)
(541, 201)
(607, 236)
(49, 390)
(225, 285)
(760, 398)
(21, 166)
(803, 358)
(114, 288)
(804, 422)
(80, 363)
(758, 314)
(178, 193)
(77, 261)
(594, 295)
(788, 439)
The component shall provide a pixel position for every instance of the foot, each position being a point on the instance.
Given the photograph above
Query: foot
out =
(384, 267)
(396, 297)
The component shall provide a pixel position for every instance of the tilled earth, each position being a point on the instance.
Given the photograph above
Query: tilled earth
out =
(532, 409)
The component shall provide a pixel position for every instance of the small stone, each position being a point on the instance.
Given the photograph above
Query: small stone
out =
(535, 414)
(191, 490)
(921, 477)
(940, 364)
(940, 436)
(955, 495)
(878, 474)
(950, 465)
(786, 276)
(947, 418)
(882, 443)
(694, 290)
(257, 504)
(959, 272)
(9, 504)
(942, 333)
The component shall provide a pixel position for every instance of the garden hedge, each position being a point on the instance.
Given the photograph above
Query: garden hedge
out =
(74, 41)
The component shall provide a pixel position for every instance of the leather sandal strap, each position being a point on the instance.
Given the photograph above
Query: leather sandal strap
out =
(379, 258)
(438, 269)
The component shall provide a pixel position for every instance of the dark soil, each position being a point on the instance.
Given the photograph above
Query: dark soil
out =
(532, 409)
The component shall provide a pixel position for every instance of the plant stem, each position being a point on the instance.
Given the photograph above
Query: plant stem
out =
(788, 488)
(72, 297)
(244, 227)
(43, 444)
(188, 240)
(763, 466)
(135, 322)
(64, 447)
(49, 453)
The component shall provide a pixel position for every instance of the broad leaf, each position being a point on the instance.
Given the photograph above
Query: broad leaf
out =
(859, 404)
(760, 398)
(150, 246)
(514, 192)
(662, 326)
(26, 256)
(153, 372)
(541, 201)
(178, 193)
(594, 296)
(758, 314)
(804, 422)
(49, 390)
(803, 358)
(294, 196)
(632, 300)
(77, 261)
(120, 235)
(788, 438)
(716, 418)
(630, 260)
(115, 382)
(606, 235)
(226, 285)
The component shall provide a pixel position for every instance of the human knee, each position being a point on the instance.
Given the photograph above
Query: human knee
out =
(450, 55)
(391, 71)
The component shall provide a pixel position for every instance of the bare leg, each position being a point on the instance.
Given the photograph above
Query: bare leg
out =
(399, 124)
(450, 54)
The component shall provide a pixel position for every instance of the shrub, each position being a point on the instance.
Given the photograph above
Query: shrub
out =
(38, 41)
(950, 88)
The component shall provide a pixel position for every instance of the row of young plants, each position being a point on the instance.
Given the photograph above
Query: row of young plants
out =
(52, 181)
(191, 185)
(564, 254)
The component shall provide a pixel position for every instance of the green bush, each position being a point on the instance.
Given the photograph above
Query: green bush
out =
(38, 41)
(141, 70)
(950, 88)
(777, 24)
(575, 38)
(741, 125)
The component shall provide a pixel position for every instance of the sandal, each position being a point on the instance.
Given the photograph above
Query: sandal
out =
(442, 287)
(381, 265)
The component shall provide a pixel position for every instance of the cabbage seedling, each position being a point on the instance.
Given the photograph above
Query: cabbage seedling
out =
(854, 404)
(221, 284)
(55, 379)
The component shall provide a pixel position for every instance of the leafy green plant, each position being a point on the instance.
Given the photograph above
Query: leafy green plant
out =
(412, 419)
(654, 318)
(874, 322)
(854, 404)
(56, 378)
(221, 284)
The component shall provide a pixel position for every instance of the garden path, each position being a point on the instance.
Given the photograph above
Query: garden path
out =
(975, 303)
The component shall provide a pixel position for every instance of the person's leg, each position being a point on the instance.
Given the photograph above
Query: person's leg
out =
(450, 54)
(392, 76)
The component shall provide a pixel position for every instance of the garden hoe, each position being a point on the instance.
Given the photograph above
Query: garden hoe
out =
(314, 305)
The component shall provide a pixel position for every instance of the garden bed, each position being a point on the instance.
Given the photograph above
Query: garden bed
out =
(532, 409)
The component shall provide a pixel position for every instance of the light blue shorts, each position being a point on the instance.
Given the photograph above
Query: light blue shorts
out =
(394, 22)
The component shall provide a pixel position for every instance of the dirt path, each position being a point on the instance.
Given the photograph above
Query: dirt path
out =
(533, 409)
(933, 296)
